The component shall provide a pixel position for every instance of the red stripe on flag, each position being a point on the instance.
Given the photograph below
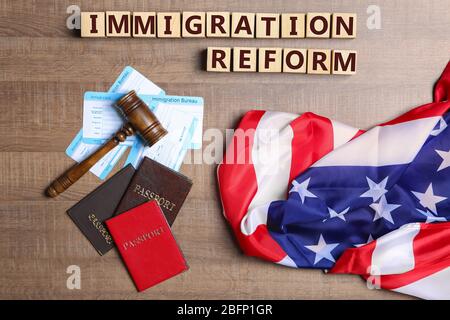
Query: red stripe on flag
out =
(360, 132)
(261, 244)
(237, 179)
(442, 88)
(425, 111)
(355, 260)
(431, 247)
(313, 138)
(238, 186)
(431, 254)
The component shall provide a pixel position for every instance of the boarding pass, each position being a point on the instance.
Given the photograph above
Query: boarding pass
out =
(171, 111)
(78, 150)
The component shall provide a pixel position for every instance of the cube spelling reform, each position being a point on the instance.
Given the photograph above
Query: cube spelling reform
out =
(288, 60)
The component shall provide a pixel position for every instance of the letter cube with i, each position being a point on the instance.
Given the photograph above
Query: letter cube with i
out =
(293, 25)
(169, 24)
(93, 24)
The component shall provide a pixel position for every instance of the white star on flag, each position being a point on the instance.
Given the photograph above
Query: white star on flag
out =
(376, 190)
(445, 155)
(442, 127)
(340, 215)
(431, 217)
(428, 199)
(322, 250)
(370, 239)
(384, 210)
(302, 189)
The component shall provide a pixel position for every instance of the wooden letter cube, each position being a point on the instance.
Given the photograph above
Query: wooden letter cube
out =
(244, 59)
(343, 25)
(267, 25)
(118, 24)
(319, 61)
(293, 25)
(294, 60)
(219, 59)
(194, 24)
(218, 24)
(144, 24)
(169, 24)
(242, 25)
(344, 62)
(318, 25)
(92, 24)
(270, 59)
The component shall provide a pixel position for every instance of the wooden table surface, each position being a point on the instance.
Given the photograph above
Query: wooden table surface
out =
(45, 69)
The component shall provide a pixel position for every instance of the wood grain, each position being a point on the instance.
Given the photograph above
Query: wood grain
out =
(45, 69)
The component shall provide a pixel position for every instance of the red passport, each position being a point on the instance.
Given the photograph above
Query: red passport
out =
(147, 245)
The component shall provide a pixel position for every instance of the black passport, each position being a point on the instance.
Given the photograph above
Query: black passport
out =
(153, 181)
(90, 213)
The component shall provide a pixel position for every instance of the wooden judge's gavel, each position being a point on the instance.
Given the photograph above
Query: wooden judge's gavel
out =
(140, 119)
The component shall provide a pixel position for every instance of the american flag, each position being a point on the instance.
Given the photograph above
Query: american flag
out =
(328, 189)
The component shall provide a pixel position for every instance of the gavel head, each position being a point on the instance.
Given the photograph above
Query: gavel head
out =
(141, 118)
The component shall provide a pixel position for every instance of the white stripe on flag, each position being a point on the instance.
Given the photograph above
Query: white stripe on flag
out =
(342, 133)
(394, 252)
(434, 287)
(288, 262)
(380, 145)
(254, 218)
(271, 156)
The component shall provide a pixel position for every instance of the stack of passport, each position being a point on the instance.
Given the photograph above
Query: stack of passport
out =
(134, 210)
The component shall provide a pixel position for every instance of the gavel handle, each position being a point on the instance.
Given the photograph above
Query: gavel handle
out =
(72, 175)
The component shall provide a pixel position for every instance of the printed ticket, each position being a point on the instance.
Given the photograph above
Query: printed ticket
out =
(101, 120)
(78, 150)
(100, 125)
